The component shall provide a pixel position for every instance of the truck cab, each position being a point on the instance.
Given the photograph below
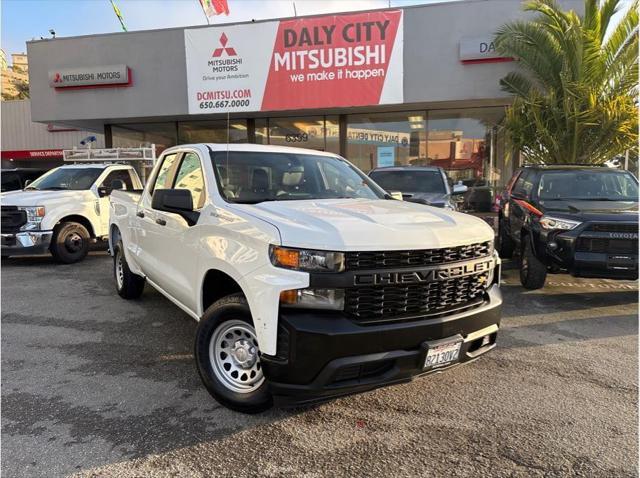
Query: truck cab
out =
(308, 280)
(63, 211)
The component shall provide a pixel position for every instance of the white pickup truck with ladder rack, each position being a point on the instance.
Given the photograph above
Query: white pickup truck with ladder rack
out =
(67, 208)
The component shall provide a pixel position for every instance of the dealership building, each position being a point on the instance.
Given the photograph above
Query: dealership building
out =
(400, 86)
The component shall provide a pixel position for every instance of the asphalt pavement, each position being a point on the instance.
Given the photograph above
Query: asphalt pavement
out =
(95, 386)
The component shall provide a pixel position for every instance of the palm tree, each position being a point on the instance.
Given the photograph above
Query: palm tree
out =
(576, 87)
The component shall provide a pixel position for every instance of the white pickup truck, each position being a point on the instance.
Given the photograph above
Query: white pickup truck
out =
(63, 211)
(307, 279)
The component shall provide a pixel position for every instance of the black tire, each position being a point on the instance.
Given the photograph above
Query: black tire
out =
(230, 313)
(505, 245)
(533, 273)
(70, 242)
(128, 285)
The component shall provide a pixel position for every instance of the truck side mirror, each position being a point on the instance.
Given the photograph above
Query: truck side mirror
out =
(175, 201)
(27, 182)
(459, 189)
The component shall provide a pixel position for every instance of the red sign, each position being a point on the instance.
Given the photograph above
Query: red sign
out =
(331, 61)
(33, 154)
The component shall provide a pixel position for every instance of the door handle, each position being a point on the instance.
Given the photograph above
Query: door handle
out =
(140, 214)
(162, 222)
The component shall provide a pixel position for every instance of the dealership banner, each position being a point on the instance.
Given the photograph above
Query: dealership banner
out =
(304, 63)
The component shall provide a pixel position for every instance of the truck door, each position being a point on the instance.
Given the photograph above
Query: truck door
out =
(171, 244)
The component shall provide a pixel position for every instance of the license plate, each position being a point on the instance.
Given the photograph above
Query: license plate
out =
(442, 354)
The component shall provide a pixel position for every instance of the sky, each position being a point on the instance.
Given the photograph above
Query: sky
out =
(24, 20)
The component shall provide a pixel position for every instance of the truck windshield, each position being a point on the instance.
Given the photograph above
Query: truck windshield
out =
(588, 185)
(253, 177)
(410, 181)
(67, 178)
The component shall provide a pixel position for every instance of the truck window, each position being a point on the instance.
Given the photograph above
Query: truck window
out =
(121, 174)
(524, 184)
(252, 177)
(165, 173)
(190, 177)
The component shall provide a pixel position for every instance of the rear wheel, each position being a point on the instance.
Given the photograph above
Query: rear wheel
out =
(128, 284)
(228, 356)
(533, 273)
(70, 242)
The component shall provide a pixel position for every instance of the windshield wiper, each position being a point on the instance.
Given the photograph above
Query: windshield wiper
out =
(55, 188)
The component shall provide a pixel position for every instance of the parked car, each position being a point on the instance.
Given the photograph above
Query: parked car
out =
(63, 211)
(579, 219)
(14, 179)
(422, 184)
(307, 282)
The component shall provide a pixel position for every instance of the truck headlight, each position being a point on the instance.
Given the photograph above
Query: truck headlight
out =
(34, 217)
(306, 260)
(550, 222)
(332, 299)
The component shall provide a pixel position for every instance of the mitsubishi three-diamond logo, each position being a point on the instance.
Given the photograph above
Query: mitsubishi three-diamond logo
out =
(224, 49)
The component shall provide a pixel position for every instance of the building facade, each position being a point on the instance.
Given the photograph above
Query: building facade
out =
(37, 145)
(408, 86)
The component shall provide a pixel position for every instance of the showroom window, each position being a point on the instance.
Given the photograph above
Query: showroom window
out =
(386, 139)
(469, 145)
(163, 135)
(461, 142)
(212, 132)
(312, 132)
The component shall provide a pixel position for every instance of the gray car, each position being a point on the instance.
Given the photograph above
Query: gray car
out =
(422, 184)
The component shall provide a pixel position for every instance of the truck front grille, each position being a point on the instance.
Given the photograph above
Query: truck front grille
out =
(12, 219)
(417, 258)
(608, 246)
(612, 227)
(406, 301)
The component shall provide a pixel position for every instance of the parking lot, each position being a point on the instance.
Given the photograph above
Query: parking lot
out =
(93, 385)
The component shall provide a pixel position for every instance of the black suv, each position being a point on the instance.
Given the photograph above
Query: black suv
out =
(582, 219)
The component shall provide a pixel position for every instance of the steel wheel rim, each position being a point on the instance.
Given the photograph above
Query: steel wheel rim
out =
(73, 242)
(119, 270)
(235, 358)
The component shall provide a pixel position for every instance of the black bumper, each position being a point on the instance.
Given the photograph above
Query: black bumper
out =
(322, 355)
(586, 253)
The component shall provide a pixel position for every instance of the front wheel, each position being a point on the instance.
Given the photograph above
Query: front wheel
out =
(128, 284)
(533, 273)
(228, 356)
(70, 242)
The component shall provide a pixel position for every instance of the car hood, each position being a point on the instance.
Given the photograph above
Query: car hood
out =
(362, 224)
(593, 210)
(32, 197)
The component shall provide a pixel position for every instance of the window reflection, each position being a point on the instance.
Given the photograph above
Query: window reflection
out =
(390, 139)
(312, 132)
(213, 132)
(135, 135)
(467, 144)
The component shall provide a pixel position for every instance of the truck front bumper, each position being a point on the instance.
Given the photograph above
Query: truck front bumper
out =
(322, 355)
(585, 253)
(26, 243)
